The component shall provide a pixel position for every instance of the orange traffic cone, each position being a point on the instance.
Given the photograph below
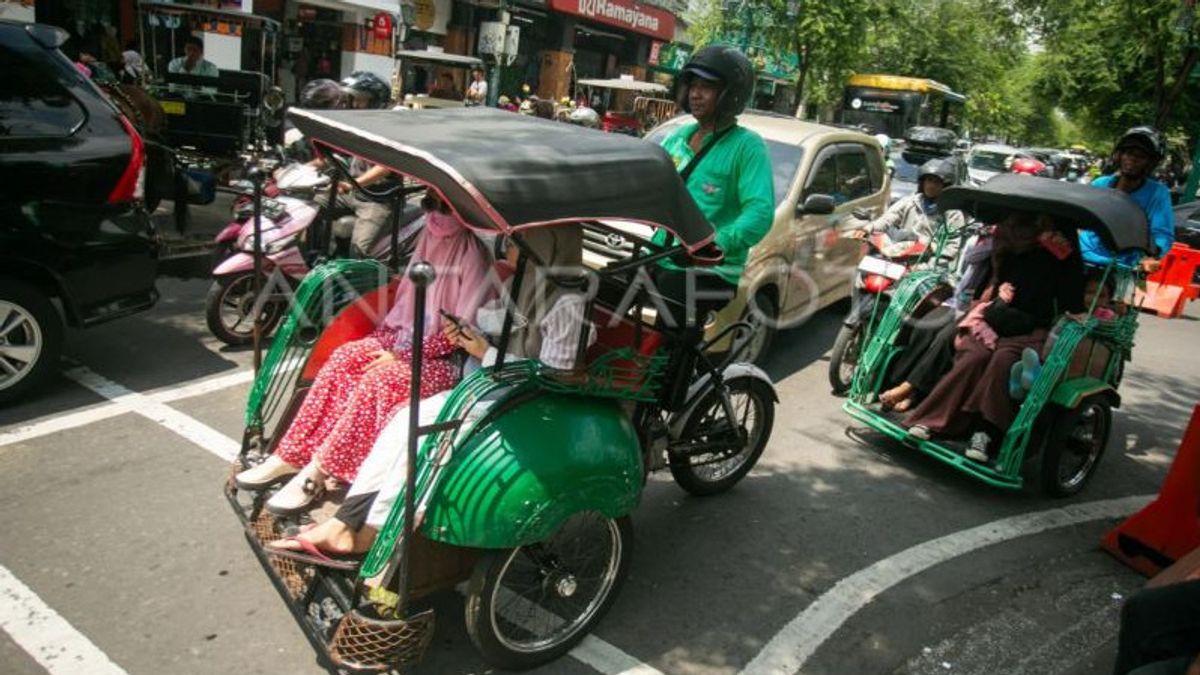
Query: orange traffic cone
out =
(1169, 527)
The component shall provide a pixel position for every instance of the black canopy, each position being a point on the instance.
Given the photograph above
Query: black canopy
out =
(502, 171)
(1119, 221)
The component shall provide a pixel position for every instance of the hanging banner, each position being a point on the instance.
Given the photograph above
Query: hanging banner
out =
(627, 14)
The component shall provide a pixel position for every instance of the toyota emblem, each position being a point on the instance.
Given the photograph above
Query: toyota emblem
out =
(614, 240)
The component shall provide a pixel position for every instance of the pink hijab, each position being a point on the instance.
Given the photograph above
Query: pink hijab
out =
(462, 264)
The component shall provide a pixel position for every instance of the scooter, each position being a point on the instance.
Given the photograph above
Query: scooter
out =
(289, 251)
(886, 262)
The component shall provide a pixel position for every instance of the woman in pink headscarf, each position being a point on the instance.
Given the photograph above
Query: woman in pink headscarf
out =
(365, 381)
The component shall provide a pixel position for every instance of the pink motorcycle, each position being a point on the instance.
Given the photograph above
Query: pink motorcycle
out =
(287, 250)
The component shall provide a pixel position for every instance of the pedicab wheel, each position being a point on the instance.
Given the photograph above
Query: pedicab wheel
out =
(1074, 445)
(762, 313)
(530, 605)
(843, 359)
(715, 472)
(229, 306)
(30, 339)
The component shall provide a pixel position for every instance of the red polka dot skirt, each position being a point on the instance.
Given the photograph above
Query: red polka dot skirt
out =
(348, 406)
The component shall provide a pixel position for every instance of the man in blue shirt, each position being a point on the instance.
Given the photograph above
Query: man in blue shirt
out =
(1136, 154)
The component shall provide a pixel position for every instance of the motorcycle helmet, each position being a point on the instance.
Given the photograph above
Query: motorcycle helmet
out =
(1028, 166)
(366, 89)
(321, 94)
(885, 142)
(944, 169)
(1146, 138)
(727, 65)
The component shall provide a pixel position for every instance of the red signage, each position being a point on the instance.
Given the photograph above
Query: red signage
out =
(382, 25)
(627, 14)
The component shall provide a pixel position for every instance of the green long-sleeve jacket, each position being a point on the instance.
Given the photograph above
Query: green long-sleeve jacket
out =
(734, 189)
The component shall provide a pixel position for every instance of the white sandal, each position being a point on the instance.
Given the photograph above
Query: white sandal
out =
(304, 489)
(269, 472)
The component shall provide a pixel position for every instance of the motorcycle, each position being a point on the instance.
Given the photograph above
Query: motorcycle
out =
(888, 259)
(289, 212)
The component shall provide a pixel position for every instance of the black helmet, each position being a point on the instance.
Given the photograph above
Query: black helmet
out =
(322, 94)
(366, 83)
(945, 169)
(723, 64)
(1147, 138)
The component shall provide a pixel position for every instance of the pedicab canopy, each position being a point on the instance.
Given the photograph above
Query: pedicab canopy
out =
(1119, 221)
(502, 171)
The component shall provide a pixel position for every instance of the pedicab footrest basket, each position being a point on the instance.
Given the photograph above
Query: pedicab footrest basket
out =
(620, 373)
(363, 642)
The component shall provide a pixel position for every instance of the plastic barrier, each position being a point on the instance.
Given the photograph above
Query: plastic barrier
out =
(1169, 289)
(1169, 527)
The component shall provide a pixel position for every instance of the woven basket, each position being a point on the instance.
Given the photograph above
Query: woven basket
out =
(365, 643)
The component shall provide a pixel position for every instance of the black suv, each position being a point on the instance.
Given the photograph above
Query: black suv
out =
(72, 224)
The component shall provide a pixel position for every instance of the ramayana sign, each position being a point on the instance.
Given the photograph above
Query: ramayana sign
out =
(625, 14)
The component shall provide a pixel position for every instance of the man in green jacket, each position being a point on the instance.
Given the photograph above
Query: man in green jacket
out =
(726, 169)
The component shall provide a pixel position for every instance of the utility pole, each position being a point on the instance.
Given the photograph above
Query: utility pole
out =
(494, 77)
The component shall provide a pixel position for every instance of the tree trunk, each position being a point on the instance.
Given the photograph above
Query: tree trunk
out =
(1181, 77)
(802, 53)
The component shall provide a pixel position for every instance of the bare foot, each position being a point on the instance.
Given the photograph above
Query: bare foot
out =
(332, 536)
(896, 394)
(903, 405)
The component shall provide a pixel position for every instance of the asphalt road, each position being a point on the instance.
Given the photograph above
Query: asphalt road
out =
(116, 522)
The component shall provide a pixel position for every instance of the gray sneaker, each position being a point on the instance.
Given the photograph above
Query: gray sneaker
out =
(978, 450)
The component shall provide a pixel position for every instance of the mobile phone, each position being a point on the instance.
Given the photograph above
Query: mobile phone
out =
(458, 323)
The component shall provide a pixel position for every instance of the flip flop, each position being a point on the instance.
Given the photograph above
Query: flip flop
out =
(312, 555)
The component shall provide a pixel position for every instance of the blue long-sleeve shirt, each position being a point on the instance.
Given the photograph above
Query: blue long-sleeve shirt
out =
(1155, 200)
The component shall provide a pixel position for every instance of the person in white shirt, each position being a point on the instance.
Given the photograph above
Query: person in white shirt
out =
(477, 92)
(193, 62)
(547, 322)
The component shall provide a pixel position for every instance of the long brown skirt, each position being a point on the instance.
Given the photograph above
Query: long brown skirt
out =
(976, 387)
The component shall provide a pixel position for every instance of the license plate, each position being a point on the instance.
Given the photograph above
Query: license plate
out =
(872, 265)
(173, 107)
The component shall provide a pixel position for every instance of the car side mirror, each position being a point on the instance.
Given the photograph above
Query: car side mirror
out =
(817, 205)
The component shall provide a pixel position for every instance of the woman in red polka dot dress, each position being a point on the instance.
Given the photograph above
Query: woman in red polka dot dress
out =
(366, 381)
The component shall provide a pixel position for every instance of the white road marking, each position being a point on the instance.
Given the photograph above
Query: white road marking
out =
(108, 410)
(45, 635)
(189, 427)
(796, 642)
(609, 660)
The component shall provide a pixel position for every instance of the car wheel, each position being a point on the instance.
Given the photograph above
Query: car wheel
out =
(30, 339)
(763, 323)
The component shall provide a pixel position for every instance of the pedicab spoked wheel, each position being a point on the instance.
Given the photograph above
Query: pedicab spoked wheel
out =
(529, 605)
(30, 339)
(229, 308)
(843, 359)
(716, 471)
(1076, 441)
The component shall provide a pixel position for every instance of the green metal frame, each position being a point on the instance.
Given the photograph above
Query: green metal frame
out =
(324, 292)
(1049, 387)
(493, 483)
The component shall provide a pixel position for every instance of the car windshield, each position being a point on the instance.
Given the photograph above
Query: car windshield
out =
(785, 158)
(987, 161)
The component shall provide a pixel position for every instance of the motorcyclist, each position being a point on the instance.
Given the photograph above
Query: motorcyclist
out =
(320, 94)
(726, 169)
(364, 90)
(1136, 154)
(916, 216)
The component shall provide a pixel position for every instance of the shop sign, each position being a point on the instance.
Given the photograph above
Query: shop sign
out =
(431, 16)
(627, 14)
(669, 56)
(382, 26)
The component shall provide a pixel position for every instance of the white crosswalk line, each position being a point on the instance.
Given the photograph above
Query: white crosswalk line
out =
(45, 635)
